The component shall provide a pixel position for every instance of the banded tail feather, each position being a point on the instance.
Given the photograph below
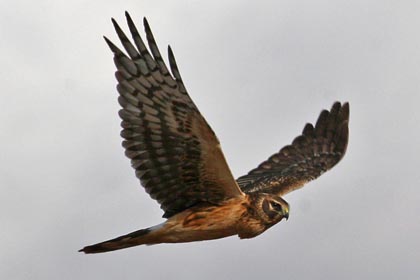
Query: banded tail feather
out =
(139, 237)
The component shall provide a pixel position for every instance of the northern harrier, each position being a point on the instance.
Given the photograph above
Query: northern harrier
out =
(179, 162)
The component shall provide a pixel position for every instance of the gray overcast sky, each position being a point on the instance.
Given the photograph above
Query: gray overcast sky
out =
(258, 73)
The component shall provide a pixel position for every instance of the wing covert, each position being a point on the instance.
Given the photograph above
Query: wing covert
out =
(175, 153)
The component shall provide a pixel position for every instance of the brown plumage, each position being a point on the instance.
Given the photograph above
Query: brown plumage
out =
(179, 161)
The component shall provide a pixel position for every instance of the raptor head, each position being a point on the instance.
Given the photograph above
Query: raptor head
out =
(272, 208)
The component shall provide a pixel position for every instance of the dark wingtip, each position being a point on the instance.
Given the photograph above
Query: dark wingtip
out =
(111, 45)
(171, 57)
(308, 129)
(344, 106)
(147, 28)
(129, 19)
(117, 27)
(114, 22)
(346, 110)
(335, 107)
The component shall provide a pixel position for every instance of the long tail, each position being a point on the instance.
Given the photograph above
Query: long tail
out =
(135, 238)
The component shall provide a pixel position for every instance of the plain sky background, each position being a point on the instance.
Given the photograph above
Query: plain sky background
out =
(258, 71)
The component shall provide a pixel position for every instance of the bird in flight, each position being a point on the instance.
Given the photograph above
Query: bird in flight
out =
(179, 161)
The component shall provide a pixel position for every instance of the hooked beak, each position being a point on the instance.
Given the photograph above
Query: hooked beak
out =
(286, 215)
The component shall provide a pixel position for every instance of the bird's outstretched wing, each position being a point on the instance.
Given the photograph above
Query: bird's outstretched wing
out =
(317, 150)
(175, 153)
